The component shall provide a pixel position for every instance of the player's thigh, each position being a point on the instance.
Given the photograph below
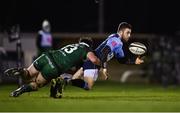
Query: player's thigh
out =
(49, 72)
(39, 63)
(47, 68)
(40, 80)
(32, 71)
(78, 74)
(90, 76)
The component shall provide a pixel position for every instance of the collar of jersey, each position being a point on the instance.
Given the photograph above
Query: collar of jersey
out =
(84, 44)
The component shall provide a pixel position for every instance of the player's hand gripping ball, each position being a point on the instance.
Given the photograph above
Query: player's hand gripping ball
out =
(137, 48)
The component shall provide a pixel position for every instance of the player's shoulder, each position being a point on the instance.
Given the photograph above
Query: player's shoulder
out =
(115, 38)
(113, 35)
(82, 44)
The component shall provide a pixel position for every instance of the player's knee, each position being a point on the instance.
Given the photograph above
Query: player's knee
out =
(89, 82)
(39, 84)
(34, 86)
(88, 86)
(40, 81)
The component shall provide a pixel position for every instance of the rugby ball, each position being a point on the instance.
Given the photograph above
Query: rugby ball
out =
(137, 48)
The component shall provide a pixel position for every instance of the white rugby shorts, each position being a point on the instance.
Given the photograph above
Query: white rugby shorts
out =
(93, 73)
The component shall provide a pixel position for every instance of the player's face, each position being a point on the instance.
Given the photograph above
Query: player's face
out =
(126, 34)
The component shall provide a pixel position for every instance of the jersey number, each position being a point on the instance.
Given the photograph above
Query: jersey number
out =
(70, 48)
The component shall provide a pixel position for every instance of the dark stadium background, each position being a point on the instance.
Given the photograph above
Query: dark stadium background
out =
(150, 87)
(146, 16)
(155, 23)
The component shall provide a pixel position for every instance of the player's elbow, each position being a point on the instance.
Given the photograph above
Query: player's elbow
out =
(95, 61)
(93, 58)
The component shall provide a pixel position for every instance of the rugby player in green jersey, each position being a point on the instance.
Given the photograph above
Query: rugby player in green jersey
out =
(52, 64)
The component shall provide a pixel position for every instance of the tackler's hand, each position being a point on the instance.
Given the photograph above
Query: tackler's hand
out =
(103, 74)
(139, 60)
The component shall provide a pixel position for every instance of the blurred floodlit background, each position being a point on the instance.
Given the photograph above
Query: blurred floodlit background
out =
(155, 24)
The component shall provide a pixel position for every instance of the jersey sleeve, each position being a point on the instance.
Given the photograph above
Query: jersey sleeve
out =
(116, 47)
(87, 49)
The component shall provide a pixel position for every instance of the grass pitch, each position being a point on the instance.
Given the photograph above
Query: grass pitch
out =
(106, 96)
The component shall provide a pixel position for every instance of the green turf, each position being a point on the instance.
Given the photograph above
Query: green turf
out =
(106, 96)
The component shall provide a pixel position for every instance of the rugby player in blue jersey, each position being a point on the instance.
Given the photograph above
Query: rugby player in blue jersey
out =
(109, 48)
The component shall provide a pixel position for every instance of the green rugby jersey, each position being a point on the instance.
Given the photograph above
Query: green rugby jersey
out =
(70, 56)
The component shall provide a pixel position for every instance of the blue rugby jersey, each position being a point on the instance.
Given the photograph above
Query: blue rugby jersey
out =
(111, 47)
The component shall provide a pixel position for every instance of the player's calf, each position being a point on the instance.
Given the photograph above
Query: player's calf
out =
(78, 83)
(24, 88)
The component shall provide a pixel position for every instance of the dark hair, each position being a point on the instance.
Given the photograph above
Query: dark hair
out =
(124, 25)
(87, 40)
